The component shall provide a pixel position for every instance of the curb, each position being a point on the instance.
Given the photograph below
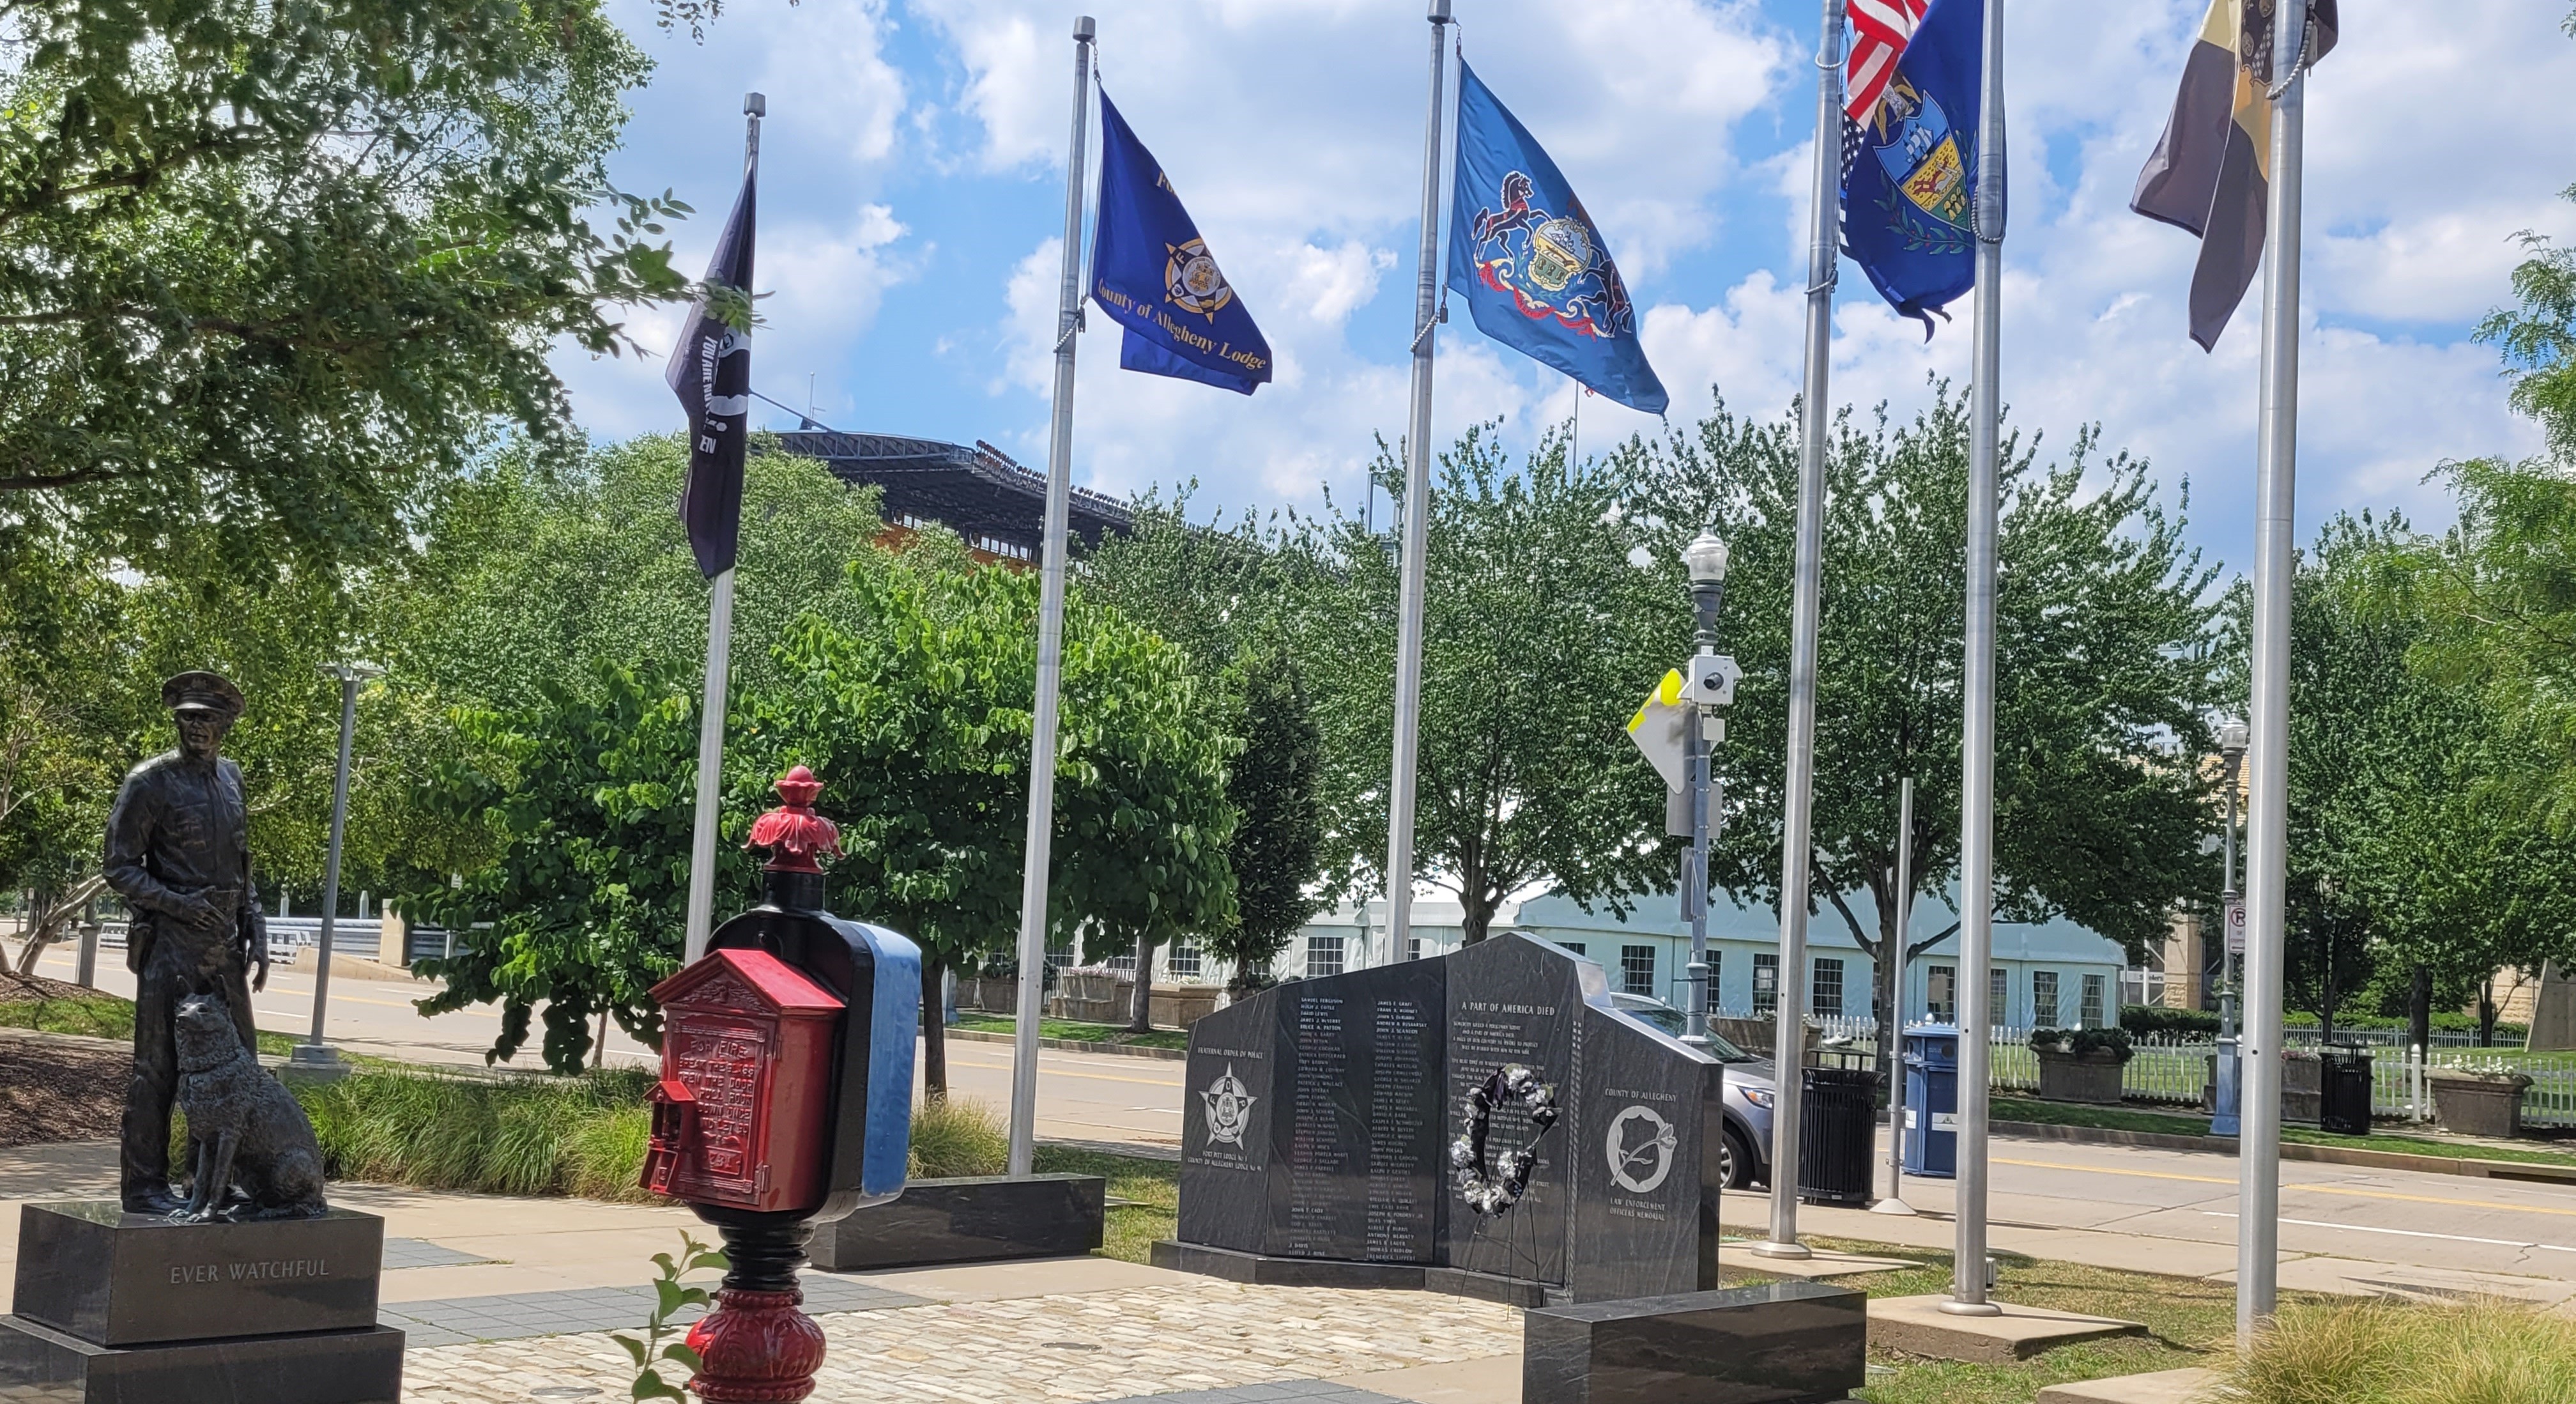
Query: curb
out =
(1074, 1045)
(2354, 1156)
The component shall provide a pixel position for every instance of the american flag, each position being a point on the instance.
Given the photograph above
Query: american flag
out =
(1880, 29)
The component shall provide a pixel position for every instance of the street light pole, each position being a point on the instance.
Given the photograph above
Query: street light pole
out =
(1895, 1201)
(314, 1052)
(1705, 560)
(2223, 1120)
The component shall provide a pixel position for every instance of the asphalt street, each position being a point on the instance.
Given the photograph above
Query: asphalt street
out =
(2385, 1216)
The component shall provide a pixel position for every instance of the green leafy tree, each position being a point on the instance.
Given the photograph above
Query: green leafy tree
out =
(267, 271)
(1144, 814)
(918, 723)
(1277, 852)
(1539, 636)
(2102, 641)
(1220, 592)
(588, 800)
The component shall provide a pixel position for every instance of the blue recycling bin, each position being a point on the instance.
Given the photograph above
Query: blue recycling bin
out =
(1932, 1101)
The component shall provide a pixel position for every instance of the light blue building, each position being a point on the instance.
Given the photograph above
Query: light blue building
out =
(2045, 973)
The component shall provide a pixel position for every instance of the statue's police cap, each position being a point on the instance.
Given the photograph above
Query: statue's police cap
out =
(212, 692)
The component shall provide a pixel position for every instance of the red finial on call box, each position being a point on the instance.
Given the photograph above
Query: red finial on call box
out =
(793, 832)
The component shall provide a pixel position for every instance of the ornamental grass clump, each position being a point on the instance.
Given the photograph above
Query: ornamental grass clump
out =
(955, 1138)
(2490, 1352)
(516, 1135)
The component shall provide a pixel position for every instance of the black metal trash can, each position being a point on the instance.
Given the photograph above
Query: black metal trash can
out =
(2343, 1104)
(1837, 1160)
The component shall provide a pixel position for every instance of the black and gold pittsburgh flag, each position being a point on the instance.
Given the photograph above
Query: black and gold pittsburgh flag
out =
(2211, 170)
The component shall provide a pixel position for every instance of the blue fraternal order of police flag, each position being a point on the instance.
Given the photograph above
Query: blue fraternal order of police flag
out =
(1152, 273)
(1530, 261)
(1910, 168)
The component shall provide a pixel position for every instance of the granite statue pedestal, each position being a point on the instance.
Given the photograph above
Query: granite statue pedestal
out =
(1779, 1343)
(118, 1308)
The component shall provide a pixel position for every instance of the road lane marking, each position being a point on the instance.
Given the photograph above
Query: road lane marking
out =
(2301, 1186)
(2407, 1233)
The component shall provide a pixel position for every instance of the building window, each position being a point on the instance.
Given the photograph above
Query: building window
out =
(1574, 946)
(1713, 985)
(2090, 1015)
(1637, 970)
(1412, 947)
(1825, 1000)
(2043, 998)
(1999, 997)
(1766, 983)
(1941, 994)
(1323, 956)
(1185, 962)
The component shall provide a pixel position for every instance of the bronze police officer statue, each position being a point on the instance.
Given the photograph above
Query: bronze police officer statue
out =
(179, 852)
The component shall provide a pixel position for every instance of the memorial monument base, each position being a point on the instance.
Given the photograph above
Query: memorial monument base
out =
(1779, 1343)
(118, 1308)
(40, 1365)
(1264, 1270)
(969, 1220)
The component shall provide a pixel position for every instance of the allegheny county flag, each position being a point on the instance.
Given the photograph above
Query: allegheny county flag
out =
(1661, 730)
(711, 373)
(2211, 170)
(1530, 262)
(1910, 165)
(1152, 273)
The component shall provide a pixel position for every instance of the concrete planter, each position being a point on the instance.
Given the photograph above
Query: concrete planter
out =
(2079, 1077)
(2302, 1087)
(2479, 1104)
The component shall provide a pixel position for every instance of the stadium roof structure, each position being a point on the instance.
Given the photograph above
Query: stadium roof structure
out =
(979, 492)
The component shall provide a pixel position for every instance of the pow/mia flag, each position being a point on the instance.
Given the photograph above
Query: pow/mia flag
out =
(711, 373)
(1153, 275)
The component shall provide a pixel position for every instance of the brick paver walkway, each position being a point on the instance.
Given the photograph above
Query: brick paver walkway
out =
(1070, 1349)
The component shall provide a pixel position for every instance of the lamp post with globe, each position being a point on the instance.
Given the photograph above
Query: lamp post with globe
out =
(1712, 684)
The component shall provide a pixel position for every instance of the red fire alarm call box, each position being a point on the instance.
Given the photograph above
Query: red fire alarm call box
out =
(748, 1043)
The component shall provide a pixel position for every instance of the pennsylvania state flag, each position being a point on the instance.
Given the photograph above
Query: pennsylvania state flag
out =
(1530, 262)
(1152, 273)
(1910, 168)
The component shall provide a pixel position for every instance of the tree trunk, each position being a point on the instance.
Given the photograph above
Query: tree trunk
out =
(48, 916)
(1475, 921)
(1141, 1013)
(2486, 1013)
(2419, 1009)
(934, 1030)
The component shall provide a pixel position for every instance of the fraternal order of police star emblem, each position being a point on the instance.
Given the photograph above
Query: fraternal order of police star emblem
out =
(1190, 278)
(1229, 1108)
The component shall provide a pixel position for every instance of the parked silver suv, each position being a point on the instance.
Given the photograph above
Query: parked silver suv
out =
(1751, 1091)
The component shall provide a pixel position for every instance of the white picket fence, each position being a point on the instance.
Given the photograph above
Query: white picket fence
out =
(2172, 1070)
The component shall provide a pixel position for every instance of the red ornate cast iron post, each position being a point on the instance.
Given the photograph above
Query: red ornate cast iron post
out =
(785, 1098)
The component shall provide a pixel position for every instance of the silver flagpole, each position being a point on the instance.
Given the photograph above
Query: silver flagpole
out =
(2258, 1147)
(1789, 1014)
(1417, 523)
(1895, 1201)
(711, 701)
(1977, 740)
(1033, 879)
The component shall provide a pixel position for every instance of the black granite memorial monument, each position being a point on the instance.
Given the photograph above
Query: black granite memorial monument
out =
(1320, 1114)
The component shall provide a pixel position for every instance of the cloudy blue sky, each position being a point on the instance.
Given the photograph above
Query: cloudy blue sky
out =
(913, 190)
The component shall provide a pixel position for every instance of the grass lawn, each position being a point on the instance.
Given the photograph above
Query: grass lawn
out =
(100, 1016)
(2188, 1322)
(2179, 1123)
(1151, 1187)
(1077, 1031)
